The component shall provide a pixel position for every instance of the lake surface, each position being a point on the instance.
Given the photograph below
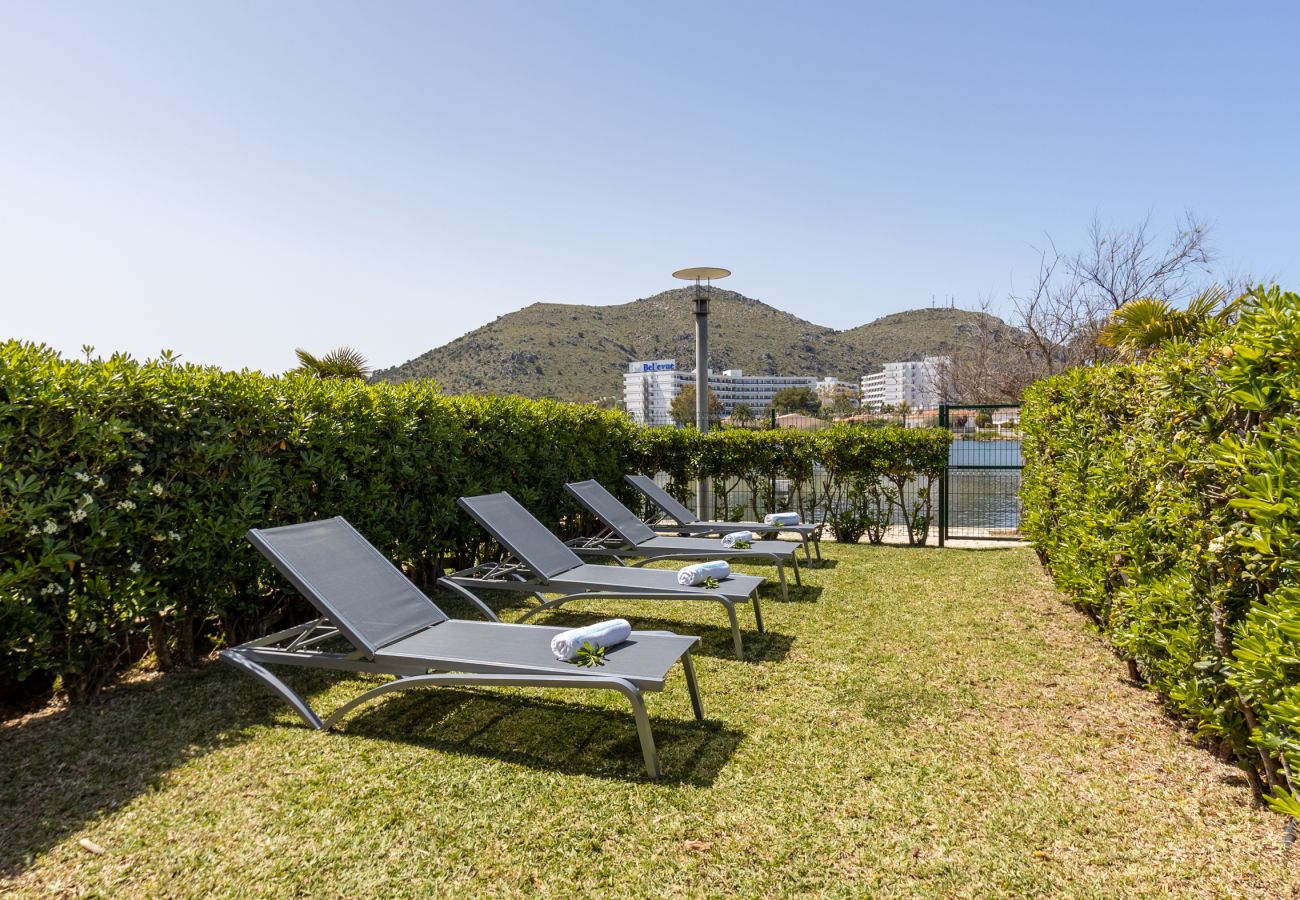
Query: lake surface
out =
(983, 499)
(984, 453)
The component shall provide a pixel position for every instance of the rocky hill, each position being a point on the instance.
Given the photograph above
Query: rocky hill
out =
(581, 352)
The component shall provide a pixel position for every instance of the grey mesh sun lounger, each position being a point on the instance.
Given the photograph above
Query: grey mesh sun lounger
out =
(539, 564)
(686, 522)
(394, 629)
(626, 537)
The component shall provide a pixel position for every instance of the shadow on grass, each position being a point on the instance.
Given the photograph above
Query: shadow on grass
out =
(715, 640)
(818, 564)
(549, 735)
(64, 769)
(799, 593)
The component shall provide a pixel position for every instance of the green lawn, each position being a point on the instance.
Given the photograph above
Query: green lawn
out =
(915, 723)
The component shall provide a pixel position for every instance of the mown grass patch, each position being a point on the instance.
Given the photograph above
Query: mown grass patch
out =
(916, 723)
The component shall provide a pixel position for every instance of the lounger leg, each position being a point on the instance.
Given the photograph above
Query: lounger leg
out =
(282, 690)
(758, 614)
(692, 686)
(785, 589)
(646, 736)
(633, 694)
(455, 588)
(794, 562)
(817, 542)
(736, 639)
(546, 604)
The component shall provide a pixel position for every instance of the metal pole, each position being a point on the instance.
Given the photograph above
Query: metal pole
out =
(943, 484)
(702, 492)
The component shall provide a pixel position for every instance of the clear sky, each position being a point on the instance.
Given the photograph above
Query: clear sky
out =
(231, 180)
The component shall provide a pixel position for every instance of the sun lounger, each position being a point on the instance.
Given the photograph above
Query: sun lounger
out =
(539, 564)
(394, 629)
(626, 537)
(685, 522)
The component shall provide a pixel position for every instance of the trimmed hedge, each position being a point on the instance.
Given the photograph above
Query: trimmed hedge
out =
(1164, 497)
(126, 488)
(858, 466)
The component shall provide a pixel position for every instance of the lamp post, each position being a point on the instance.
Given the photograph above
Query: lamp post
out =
(707, 274)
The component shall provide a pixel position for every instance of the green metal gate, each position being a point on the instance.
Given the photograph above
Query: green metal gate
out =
(979, 494)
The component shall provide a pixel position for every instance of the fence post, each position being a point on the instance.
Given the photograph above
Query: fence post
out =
(943, 484)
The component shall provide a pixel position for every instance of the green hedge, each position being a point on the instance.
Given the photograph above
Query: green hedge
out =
(857, 465)
(126, 488)
(1164, 497)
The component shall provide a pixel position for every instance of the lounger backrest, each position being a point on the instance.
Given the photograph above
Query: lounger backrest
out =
(606, 507)
(516, 529)
(348, 581)
(662, 499)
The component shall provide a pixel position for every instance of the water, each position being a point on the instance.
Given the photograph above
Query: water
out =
(984, 453)
(988, 498)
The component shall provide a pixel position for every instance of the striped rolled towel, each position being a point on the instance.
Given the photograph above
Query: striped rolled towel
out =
(785, 518)
(566, 644)
(729, 540)
(696, 575)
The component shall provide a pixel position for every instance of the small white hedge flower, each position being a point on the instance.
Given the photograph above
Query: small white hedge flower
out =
(51, 526)
(51, 589)
(134, 567)
(156, 489)
(126, 505)
(78, 515)
(137, 469)
(81, 476)
(175, 536)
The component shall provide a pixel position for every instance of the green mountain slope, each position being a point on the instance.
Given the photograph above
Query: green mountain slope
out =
(581, 352)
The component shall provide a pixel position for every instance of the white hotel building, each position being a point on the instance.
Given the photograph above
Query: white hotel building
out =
(916, 383)
(650, 386)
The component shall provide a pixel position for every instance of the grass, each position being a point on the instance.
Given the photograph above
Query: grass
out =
(915, 723)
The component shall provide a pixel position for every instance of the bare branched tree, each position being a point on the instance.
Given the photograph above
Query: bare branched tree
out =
(1120, 265)
(1058, 319)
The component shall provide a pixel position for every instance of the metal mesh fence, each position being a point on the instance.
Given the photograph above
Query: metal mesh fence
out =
(980, 495)
(979, 498)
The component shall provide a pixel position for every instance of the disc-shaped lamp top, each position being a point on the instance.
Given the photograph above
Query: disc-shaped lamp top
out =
(702, 273)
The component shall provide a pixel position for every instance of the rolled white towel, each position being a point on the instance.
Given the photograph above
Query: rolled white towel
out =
(729, 540)
(693, 576)
(785, 518)
(566, 644)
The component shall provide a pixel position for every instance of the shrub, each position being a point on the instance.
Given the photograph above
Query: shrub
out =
(126, 488)
(1164, 497)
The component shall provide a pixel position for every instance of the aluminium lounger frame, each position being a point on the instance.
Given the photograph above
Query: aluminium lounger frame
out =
(548, 566)
(300, 646)
(686, 523)
(623, 537)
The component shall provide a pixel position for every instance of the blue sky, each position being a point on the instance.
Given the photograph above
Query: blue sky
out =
(231, 180)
